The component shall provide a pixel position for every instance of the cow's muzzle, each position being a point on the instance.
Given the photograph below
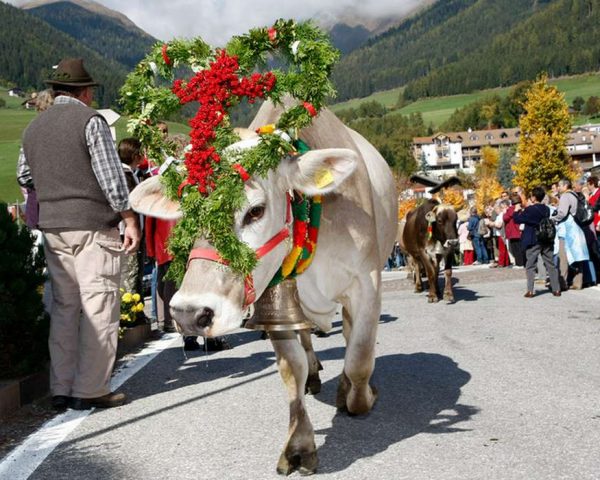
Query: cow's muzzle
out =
(201, 318)
(451, 243)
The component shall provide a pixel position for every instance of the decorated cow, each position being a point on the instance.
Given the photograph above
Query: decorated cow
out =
(429, 236)
(234, 196)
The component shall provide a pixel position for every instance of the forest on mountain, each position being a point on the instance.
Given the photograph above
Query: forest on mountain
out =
(561, 39)
(112, 39)
(459, 46)
(29, 47)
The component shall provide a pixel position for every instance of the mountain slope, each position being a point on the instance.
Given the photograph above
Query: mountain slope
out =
(29, 47)
(89, 5)
(561, 39)
(443, 34)
(109, 36)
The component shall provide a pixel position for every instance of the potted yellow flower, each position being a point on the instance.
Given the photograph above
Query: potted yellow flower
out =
(133, 328)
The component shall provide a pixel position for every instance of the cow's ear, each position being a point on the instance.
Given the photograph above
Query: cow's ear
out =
(318, 171)
(149, 199)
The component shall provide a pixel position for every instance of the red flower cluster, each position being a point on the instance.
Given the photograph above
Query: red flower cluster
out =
(213, 89)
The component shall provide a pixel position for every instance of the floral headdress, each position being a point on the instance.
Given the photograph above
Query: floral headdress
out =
(210, 182)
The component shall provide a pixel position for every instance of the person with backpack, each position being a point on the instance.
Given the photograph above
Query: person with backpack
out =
(573, 252)
(537, 239)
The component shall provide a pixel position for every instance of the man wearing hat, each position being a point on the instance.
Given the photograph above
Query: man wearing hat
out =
(70, 157)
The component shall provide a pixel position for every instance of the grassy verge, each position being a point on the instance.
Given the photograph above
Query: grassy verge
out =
(13, 121)
(437, 110)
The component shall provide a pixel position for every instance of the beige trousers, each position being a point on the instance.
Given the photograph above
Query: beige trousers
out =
(84, 269)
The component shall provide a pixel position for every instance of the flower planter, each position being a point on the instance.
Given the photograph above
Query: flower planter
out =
(21, 391)
(133, 337)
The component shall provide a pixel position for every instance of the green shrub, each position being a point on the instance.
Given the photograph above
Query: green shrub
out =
(23, 323)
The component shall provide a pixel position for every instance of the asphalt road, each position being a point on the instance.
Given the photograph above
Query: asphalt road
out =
(495, 386)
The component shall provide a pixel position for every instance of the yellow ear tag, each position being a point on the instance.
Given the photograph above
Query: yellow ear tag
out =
(323, 178)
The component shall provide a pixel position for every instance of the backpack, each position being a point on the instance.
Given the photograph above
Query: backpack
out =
(482, 228)
(545, 231)
(584, 215)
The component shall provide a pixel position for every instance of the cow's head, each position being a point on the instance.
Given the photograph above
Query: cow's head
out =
(443, 219)
(211, 299)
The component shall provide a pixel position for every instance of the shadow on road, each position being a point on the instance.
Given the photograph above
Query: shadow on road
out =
(385, 318)
(83, 460)
(462, 294)
(418, 393)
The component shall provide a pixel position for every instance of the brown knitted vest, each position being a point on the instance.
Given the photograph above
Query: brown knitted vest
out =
(67, 189)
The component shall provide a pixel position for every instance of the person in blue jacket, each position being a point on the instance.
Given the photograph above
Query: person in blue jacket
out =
(531, 216)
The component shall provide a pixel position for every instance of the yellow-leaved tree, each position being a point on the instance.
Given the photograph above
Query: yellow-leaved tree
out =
(404, 206)
(453, 196)
(488, 190)
(544, 130)
(487, 187)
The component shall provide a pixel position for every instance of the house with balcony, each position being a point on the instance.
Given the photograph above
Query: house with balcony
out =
(445, 153)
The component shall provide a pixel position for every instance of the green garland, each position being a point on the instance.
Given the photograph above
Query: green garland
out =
(310, 58)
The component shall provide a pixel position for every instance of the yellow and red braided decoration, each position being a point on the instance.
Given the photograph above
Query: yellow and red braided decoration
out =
(307, 220)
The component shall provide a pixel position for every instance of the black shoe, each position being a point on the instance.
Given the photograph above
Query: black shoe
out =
(109, 400)
(320, 333)
(170, 328)
(190, 344)
(216, 344)
(60, 402)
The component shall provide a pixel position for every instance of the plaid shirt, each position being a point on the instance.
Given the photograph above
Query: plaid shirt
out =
(105, 161)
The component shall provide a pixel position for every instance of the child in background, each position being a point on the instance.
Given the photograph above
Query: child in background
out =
(130, 154)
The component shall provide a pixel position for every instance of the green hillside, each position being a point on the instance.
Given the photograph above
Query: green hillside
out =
(126, 45)
(463, 46)
(561, 39)
(29, 47)
(443, 34)
(13, 120)
(437, 110)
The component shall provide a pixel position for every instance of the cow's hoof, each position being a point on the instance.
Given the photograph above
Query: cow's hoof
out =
(313, 384)
(304, 462)
(342, 392)
(449, 298)
(433, 299)
(362, 403)
(418, 290)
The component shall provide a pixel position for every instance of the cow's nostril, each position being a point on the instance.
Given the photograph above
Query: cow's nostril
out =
(204, 317)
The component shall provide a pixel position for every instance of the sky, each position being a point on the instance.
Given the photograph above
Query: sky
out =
(217, 20)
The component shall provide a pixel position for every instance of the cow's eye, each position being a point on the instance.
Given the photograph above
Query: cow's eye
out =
(254, 214)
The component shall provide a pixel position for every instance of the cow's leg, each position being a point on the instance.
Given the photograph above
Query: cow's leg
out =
(417, 275)
(448, 291)
(299, 452)
(313, 382)
(431, 271)
(361, 312)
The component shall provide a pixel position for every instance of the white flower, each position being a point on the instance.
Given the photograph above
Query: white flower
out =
(154, 68)
(294, 47)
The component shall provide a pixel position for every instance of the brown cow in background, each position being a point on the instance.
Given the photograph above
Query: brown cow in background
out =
(427, 247)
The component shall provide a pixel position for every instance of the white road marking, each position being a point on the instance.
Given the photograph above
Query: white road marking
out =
(28, 456)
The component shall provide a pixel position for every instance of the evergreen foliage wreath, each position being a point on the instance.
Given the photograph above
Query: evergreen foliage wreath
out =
(209, 183)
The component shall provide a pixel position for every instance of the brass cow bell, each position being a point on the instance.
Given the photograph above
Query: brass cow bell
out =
(278, 309)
